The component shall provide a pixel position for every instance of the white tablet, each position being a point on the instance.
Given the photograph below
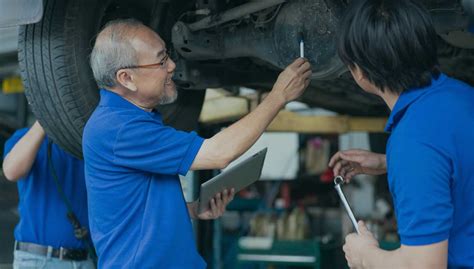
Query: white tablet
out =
(238, 177)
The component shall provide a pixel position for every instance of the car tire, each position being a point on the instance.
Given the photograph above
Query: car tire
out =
(54, 63)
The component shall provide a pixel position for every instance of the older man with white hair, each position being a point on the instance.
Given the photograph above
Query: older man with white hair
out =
(138, 216)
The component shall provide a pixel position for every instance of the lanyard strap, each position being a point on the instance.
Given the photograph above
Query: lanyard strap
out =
(80, 232)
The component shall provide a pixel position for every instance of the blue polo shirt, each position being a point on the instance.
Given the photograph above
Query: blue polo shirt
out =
(138, 215)
(42, 212)
(430, 163)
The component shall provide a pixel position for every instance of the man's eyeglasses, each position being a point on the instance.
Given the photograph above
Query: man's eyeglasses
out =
(160, 64)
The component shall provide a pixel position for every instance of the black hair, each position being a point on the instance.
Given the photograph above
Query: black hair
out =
(393, 42)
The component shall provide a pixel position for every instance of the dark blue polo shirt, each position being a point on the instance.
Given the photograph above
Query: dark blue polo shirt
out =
(137, 212)
(43, 217)
(430, 162)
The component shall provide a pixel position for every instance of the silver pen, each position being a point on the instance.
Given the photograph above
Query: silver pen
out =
(301, 40)
(338, 181)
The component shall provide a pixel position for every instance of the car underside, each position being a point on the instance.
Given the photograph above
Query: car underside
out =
(247, 43)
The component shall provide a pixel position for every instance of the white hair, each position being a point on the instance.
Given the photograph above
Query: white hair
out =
(113, 51)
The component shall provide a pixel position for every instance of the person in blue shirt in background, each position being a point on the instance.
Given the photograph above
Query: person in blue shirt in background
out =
(137, 212)
(44, 236)
(390, 49)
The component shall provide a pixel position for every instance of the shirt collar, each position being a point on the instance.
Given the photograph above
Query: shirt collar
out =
(407, 98)
(111, 99)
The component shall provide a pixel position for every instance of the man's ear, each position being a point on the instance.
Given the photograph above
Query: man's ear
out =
(125, 78)
(357, 73)
(362, 80)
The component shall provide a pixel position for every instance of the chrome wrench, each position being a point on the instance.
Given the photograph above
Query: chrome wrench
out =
(338, 181)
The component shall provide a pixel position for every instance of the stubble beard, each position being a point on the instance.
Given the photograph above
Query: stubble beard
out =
(168, 99)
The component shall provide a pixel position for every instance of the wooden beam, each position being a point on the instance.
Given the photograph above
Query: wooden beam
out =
(219, 108)
(287, 121)
(366, 124)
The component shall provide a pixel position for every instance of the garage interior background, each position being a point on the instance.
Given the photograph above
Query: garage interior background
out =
(291, 216)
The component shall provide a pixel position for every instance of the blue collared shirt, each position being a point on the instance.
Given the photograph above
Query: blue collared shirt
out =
(43, 218)
(138, 215)
(430, 162)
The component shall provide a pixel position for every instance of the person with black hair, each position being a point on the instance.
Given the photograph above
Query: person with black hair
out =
(389, 47)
